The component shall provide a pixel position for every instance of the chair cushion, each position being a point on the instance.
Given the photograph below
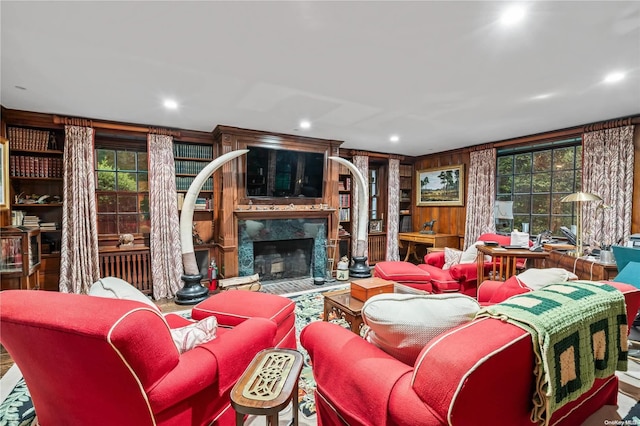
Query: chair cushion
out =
(535, 279)
(117, 288)
(401, 272)
(510, 287)
(187, 337)
(402, 324)
(451, 257)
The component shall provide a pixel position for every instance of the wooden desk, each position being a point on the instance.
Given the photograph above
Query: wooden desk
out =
(504, 261)
(583, 268)
(434, 240)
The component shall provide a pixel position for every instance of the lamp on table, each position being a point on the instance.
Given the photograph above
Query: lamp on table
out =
(579, 198)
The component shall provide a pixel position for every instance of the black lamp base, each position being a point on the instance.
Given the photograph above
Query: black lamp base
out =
(193, 292)
(359, 269)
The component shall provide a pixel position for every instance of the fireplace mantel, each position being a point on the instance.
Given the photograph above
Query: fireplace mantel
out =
(280, 213)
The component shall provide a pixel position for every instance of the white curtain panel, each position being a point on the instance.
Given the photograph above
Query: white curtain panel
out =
(607, 170)
(393, 212)
(166, 258)
(79, 267)
(481, 195)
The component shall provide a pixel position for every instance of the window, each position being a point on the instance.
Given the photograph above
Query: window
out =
(122, 191)
(536, 178)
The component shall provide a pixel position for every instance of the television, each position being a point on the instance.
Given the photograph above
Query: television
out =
(277, 173)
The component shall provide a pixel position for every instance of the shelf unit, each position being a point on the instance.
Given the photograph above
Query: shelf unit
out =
(405, 197)
(20, 258)
(345, 197)
(36, 170)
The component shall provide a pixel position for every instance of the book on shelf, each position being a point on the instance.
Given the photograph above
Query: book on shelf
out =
(180, 200)
(48, 226)
(200, 204)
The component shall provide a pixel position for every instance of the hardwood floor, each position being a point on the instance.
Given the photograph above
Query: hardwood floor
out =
(166, 306)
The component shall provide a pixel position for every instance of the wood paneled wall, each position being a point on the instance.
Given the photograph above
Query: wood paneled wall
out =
(450, 220)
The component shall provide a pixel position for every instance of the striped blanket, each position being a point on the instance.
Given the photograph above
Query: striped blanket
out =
(579, 333)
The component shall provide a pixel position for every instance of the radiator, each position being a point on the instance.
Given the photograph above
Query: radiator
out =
(133, 267)
(377, 248)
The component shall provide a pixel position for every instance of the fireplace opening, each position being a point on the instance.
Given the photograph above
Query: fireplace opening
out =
(278, 259)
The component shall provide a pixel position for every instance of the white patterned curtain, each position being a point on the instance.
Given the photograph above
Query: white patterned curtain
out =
(607, 170)
(362, 163)
(393, 213)
(166, 259)
(79, 267)
(480, 195)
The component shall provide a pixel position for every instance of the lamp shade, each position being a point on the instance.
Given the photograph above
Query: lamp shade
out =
(581, 196)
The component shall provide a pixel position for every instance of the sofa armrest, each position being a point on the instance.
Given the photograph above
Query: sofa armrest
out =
(220, 361)
(346, 367)
(435, 259)
(177, 321)
(464, 271)
(486, 289)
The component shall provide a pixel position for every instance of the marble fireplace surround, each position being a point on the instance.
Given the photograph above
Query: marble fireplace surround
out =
(259, 229)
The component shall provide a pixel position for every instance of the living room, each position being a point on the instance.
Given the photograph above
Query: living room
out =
(412, 90)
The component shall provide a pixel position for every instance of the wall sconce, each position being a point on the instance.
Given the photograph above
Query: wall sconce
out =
(579, 198)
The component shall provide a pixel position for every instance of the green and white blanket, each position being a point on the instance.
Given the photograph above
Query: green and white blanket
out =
(579, 333)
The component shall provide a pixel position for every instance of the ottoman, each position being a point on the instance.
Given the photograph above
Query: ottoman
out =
(233, 307)
(404, 273)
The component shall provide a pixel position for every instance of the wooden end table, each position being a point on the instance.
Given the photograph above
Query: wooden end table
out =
(267, 386)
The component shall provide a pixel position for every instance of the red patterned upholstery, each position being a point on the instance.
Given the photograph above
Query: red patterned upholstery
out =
(404, 273)
(477, 373)
(233, 307)
(101, 361)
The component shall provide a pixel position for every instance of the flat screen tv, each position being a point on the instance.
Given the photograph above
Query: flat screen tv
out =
(273, 173)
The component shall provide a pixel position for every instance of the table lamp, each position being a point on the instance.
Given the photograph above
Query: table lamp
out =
(579, 197)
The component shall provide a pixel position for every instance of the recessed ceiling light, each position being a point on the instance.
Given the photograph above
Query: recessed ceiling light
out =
(542, 96)
(305, 124)
(614, 77)
(394, 138)
(513, 15)
(170, 104)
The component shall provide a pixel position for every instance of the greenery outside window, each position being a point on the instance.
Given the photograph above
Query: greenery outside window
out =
(536, 178)
(122, 191)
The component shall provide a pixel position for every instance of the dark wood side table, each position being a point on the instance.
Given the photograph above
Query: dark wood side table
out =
(583, 268)
(504, 260)
(433, 240)
(267, 386)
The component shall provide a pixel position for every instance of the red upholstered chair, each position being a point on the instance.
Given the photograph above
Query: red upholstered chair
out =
(461, 278)
(404, 273)
(478, 373)
(100, 361)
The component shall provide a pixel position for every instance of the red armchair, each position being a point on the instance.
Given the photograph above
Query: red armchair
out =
(100, 361)
(461, 278)
(477, 373)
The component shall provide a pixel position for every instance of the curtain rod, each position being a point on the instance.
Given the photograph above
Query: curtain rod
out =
(111, 126)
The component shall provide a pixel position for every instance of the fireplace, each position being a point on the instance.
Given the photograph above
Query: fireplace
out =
(282, 248)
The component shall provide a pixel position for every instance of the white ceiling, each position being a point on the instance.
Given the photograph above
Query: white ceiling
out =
(441, 75)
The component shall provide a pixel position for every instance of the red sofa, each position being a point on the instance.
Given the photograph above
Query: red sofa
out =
(463, 277)
(477, 373)
(100, 361)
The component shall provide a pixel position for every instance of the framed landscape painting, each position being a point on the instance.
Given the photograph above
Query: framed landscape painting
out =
(442, 186)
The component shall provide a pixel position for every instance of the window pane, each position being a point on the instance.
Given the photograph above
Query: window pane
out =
(143, 181)
(127, 181)
(105, 159)
(127, 203)
(558, 207)
(558, 221)
(505, 165)
(541, 182)
(145, 223)
(143, 199)
(106, 181)
(518, 220)
(542, 161)
(126, 160)
(523, 163)
(107, 203)
(540, 203)
(563, 158)
(563, 182)
(142, 161)
(578, 180)
(127, 223)
(107, 224)
(522, 203)
(522, 183)
(539, 224)
(505, 184)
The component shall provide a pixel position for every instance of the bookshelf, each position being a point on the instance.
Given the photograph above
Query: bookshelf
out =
(345, 182)
(36, 176)
(405, 198)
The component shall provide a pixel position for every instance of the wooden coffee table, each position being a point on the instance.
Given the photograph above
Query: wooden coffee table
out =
(341, 304)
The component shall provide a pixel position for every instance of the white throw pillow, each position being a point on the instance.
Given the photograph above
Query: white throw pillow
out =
(451, 257)
(117, 288)
(402, 324)
(535, 279)
(189, 336)
(470, 255)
